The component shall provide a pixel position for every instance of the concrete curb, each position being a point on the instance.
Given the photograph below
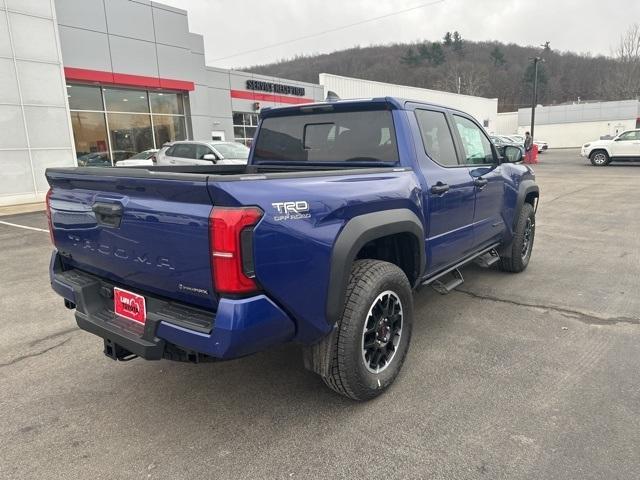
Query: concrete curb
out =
(24, 208)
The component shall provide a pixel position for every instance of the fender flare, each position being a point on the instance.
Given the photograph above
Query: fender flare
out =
(355, 234)
(604, 148)
(526, 187)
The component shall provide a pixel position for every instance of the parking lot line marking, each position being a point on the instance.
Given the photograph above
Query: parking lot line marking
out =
(24, 226)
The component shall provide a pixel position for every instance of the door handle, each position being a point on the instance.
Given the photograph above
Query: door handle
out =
(480, 182)
(440, 188)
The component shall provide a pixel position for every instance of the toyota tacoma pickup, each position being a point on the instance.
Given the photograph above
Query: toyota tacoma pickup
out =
(343, 209)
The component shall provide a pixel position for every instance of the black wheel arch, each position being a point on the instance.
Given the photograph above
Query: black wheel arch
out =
(355, 235)
(528, 192)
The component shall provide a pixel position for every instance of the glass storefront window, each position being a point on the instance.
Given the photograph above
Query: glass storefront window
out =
(90, 137)
(84, 97)
(244, 127)
(121, 100)
(238, 132)
(127, 115)
(238, 118)
(168, 103)
(130, 134)
(168, 128)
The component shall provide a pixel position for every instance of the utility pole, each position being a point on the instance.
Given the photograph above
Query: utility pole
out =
(534, 97)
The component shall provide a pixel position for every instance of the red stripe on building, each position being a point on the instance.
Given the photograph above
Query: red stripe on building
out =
(84, 75)
(268, 97)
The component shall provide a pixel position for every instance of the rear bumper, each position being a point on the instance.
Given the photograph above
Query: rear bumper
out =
(239, 327)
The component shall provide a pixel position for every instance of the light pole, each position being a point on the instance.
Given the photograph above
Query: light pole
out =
(534, 97)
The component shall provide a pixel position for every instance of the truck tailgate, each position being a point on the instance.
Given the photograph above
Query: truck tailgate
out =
(147, 234)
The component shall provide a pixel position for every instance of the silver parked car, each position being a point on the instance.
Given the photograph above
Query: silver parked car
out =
(192, 152)
(146, 158)
(542, 145)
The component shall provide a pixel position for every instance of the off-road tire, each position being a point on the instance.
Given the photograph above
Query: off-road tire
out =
(513, 258)
(599, 158)
(348, 373)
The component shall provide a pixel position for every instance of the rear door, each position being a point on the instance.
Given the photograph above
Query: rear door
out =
(482, 163)
(146, 233)
(449, 196)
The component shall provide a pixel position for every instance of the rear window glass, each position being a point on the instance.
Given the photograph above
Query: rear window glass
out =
(365, 136)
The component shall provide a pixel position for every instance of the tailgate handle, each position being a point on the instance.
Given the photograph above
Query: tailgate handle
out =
(108, 214)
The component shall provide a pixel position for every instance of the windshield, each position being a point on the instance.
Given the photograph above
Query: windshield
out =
(361, 136)
(232, 150)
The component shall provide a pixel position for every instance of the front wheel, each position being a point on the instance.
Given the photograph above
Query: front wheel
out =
(517, 254)
(599, 158)
(374, 332)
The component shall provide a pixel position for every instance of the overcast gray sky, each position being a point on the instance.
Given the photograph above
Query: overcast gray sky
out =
(232, 26)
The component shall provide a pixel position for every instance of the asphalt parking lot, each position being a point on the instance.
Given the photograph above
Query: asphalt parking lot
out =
(511, 376)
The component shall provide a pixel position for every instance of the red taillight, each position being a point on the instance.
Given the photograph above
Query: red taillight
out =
(231, 251)
(48, 203)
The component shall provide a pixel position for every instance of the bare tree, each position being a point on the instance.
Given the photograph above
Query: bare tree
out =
(625, 80)
(470, 78)
(628, 49)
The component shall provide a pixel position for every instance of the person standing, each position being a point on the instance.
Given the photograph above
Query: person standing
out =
(528, 143)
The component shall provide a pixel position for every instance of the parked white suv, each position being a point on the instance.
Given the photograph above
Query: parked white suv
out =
(190, 152)
(624, 147)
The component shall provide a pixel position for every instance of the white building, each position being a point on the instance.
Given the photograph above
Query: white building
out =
(570, 126)
(485, 110)
(507, 123)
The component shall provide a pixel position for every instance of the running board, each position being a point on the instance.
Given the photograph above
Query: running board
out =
(488, 259)
(448, 282)
(448, 272)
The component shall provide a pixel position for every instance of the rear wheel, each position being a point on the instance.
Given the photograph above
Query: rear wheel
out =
(517, 254)
(599, 158)
(374, 332)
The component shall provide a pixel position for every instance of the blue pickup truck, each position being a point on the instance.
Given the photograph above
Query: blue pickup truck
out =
(343, 209)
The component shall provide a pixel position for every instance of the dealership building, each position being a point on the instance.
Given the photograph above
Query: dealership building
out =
(109, 78)
(113, 77)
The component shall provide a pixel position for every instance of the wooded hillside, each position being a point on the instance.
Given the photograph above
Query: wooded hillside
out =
(488, 69)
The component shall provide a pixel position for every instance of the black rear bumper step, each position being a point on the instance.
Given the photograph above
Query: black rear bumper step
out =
(126, 339)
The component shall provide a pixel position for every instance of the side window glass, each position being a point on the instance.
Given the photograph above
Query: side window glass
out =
(185, 150)
(628, 136)
(477, 148)
(436, 136)
(191, 151)
(201, 151)
(179, 151)
(170, 151)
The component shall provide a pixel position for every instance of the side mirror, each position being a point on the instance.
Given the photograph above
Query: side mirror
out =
(512, 154)
(209, 156)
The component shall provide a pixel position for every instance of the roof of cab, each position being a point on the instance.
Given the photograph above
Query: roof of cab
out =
(392, 103)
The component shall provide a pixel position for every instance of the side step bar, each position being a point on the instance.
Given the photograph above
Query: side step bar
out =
(448, 282)
(451, 278)
(488, 259)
